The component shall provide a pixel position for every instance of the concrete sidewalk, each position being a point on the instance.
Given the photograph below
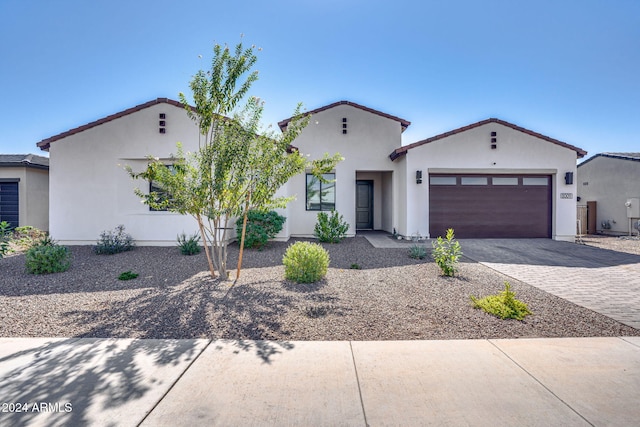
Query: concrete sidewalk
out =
(563, 381)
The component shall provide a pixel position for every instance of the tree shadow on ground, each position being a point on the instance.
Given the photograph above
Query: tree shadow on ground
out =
(90, 381)
(199, 307)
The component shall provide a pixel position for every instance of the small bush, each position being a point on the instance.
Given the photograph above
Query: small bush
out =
(355, 267)
(331, 229)
(5, 237)
(47, 257)
(446, 253)
(27, 236)
(503, 305)
(189, 245)
(417, 252)
(113, 242)
(127, 275)
(305, 262)
(261, 226)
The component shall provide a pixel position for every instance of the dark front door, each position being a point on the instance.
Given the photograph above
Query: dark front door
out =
(364, 205)
(9, 203)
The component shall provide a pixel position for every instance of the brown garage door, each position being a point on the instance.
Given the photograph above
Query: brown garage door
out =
(490, 206)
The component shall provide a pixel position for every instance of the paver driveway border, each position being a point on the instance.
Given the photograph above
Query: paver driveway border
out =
(602, 280)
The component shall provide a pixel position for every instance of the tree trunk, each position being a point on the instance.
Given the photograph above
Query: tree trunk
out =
(205, 241)
(244, 230)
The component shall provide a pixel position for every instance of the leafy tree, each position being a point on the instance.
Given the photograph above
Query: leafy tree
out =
(237, 166)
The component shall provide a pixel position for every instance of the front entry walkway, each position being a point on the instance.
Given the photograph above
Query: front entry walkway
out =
(605, 281)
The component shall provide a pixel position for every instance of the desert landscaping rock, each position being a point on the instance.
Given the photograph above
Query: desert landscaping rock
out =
(391, 297)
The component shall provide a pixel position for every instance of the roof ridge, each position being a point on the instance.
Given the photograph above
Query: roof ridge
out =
(403, 150)
(404, 123)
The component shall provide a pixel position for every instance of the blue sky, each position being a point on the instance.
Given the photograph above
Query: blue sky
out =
(569, 69)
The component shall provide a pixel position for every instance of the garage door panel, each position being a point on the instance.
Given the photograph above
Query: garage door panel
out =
(9, 203)
(475, 211)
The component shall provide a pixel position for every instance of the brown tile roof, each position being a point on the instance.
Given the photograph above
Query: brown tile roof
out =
(45, 143)
(404, 123)
(403, 150)
(28, 160)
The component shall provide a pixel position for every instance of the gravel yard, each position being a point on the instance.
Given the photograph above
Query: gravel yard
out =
(391, 297)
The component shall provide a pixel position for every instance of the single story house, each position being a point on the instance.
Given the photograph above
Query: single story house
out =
(24, 190)
(488, 179)
(609, 180)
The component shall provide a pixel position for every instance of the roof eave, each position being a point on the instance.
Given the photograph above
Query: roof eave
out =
(403, 123)
(580, 153)
(45, 144)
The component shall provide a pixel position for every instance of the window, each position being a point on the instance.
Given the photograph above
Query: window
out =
(474, 180)
(321, 196)
(535, 181)
(161, 193)
(508, 180)
(442, 180)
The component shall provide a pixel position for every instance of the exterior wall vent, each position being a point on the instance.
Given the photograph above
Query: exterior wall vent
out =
(344, 125)
(494, 140)
(162, 123)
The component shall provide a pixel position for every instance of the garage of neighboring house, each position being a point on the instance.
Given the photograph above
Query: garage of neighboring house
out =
(24, 190)
(9, 202)
(486, 205)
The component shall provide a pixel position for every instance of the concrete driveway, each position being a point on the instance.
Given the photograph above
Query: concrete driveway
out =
(604, 281)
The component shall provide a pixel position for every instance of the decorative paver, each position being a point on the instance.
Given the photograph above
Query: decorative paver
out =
(605, 281)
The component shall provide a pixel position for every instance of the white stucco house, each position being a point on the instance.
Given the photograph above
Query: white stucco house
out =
(609, 180)
(488, 179)
(24, 190)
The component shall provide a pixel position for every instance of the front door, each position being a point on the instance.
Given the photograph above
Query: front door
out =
(364, 205)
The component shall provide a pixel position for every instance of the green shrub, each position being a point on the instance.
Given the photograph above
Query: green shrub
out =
(305, 262)
(417, 252)
(46, 257)
(446, 253)
(503, 305)
(261, 226)
(189, 245)
(5, 237)
(355, 266)
(127, 275)
(113, 242)
(332, 228)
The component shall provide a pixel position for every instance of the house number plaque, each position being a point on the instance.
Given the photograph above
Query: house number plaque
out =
(566, 195)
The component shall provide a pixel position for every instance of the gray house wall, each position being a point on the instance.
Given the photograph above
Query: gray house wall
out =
(609, 181)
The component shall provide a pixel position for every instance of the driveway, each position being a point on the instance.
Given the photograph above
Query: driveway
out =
(604, 281)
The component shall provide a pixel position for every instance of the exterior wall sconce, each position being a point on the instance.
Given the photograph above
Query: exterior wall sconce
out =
(418, 177)
(568, 178)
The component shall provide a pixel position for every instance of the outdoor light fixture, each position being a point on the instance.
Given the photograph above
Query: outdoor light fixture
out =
(418, 177)
(568, 178)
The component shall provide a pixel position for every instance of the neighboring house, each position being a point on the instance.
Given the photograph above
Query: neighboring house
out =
(24, 190)
(609, 180)
(488, 179)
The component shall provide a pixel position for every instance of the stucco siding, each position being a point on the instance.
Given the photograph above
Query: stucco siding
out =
(365, 148)
(33, 195)
(470, 152)
(609, 182)
(91, 191)
(36, 195)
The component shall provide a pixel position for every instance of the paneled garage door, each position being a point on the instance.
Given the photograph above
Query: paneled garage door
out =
(490, 206)
(9, 203)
